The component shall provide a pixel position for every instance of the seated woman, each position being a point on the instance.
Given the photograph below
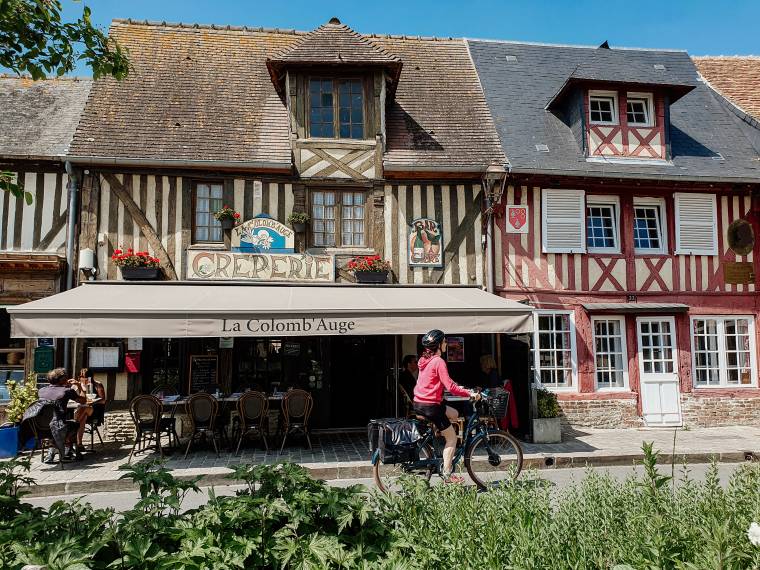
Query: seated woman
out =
(87, 386)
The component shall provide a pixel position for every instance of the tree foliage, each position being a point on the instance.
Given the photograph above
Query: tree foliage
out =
(35, 40)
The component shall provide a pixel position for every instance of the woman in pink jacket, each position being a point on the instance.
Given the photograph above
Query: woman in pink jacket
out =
(428, 396)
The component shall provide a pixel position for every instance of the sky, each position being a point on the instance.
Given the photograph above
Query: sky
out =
(702, 27)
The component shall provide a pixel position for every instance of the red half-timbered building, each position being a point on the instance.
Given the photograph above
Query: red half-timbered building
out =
(629, 221)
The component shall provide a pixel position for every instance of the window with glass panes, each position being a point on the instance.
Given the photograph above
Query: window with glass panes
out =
(601, 226)
(609, 352)
(554, 358)
(656, 347)
(602, 109)
(647, 227)
(207, 200)
(722, 351)
(336, 108)
(637, 111)
(337, 218)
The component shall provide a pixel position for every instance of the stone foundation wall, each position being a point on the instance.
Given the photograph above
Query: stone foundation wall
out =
(612, 413)
(724, 410)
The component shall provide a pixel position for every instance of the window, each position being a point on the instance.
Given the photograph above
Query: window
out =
(603, 108)
(336, 106)
(649, 225)
(696, 217)
(609, 353)
(337, 217)
(602, 224)
(554, 350)
(657, 345)
(207, 199)
(639, 110)
(562, 221)
(723, 351)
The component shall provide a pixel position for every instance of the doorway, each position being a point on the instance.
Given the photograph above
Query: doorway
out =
(658, 371)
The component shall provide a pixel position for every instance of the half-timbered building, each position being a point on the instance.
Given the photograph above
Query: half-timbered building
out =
(629, 220)
(37, 123)
(382, 141)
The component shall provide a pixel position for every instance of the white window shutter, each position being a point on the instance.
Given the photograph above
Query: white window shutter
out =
(563, 221)
(696, 224)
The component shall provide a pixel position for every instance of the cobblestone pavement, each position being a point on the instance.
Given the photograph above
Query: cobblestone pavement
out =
(346, 456)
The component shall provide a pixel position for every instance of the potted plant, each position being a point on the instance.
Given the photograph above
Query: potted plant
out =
(137, 265)
(369, 269)
(298, 221)
(546, 424)
(21, 397)
(227, 216)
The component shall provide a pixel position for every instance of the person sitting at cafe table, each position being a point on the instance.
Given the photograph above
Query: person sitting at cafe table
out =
(87, 386)
(407, 378)
(60, 392)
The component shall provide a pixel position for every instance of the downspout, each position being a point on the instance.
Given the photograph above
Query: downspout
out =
(74, 184)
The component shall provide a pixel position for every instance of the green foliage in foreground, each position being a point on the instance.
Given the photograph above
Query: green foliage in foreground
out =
(284, 519)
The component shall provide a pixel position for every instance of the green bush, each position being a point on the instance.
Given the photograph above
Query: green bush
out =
(21, 397)
(548, 406)
(284, 519)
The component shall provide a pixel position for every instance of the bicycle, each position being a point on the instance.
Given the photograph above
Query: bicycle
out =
(490, 455)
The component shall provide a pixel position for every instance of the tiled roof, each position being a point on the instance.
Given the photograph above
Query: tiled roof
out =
(708, 141)
(200, 93)
(335, 43)
(38, 118)
(735, 77)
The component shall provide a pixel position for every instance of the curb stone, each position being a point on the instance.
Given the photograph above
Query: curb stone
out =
(363, 470)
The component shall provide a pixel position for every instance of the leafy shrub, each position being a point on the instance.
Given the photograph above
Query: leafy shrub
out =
(285, 519)
(548, 406)
(298, 218)
(21, 397)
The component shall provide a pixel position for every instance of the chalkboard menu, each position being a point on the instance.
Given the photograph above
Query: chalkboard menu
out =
(203, 372)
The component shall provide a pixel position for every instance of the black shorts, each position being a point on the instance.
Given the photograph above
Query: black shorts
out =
(436, 413)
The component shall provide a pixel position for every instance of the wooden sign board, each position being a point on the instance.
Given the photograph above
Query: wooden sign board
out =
(738, 273)
(263, 234)
(425, 243)
(226, 265)
(204, 372)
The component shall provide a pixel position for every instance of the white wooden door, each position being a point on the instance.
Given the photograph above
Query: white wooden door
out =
(658, 371)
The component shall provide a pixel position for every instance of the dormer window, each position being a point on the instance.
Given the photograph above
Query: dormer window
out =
(336, 108)
(639, 110)
(603, 108)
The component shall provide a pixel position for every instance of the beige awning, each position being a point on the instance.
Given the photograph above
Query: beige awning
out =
(191, 309)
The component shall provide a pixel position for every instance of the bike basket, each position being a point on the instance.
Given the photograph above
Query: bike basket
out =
(498, 402)
(395, 438)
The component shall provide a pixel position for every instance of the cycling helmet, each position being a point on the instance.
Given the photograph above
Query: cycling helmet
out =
(433, 338)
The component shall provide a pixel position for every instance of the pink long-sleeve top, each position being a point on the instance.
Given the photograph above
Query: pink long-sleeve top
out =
(433, 378)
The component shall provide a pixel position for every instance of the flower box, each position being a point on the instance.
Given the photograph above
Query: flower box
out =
(299, 227)
(371, 276)
(141, 273)
(227, 223)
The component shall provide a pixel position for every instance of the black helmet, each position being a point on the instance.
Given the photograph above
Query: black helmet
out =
(433, 338)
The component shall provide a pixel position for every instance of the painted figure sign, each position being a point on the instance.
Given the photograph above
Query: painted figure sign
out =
(425, 243)
(517, 220)
(262, 234)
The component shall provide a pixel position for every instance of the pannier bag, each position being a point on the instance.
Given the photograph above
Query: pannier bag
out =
(395, 438)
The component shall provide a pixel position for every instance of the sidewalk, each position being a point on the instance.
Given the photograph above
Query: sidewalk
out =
(345, 456)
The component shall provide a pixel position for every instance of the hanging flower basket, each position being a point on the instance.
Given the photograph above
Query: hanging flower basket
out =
(298, 221)
(228, 217)
(138, 265)
(369, 269)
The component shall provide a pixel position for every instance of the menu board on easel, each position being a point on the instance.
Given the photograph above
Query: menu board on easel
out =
(204, 369)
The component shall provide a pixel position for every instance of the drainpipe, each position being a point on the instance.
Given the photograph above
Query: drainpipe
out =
(74, 184)
(495, 175)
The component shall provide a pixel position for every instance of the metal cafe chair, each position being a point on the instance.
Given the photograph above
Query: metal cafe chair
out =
(296, 410)
(94, 423)
(168, 418)
(146, 415)
(202, 410)
(252, 419)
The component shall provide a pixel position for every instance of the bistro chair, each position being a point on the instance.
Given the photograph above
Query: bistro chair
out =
(202, 410)
(146, 415)
(168, 419)
(296, 410)
(407, 400)
(43, 435)
(252, 418)
(94, 423)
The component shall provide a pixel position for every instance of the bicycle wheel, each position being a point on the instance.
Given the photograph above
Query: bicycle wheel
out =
(387, 476)
(494, 458)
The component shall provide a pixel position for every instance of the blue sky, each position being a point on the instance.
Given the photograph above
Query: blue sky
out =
(726, 27)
